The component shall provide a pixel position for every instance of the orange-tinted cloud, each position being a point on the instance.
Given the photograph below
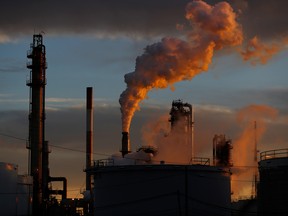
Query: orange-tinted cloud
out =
(173, 60)
(260, 52)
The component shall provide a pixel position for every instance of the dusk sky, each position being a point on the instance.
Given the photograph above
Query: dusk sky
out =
(95, 43)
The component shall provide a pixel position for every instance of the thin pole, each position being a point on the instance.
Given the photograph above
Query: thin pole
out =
(255, 160)
(192, 134)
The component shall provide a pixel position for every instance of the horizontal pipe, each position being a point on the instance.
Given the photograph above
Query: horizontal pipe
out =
(64, 180)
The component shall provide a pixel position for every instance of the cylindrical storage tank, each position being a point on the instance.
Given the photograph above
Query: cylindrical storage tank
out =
(24, 195)
(273, 187)
(8, 188)
(161, 190)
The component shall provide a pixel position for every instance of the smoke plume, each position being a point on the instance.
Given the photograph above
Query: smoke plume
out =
(259, 52)
(253, 120)
(171, 145)
(172, 59)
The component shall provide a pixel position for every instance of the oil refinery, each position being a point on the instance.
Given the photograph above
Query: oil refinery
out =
(135, 183)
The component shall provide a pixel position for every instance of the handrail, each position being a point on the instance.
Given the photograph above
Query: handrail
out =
(201, 161)
(110, 162)
(103, 162)
(277, 153)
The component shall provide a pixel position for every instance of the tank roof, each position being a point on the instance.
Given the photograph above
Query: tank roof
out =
(274, 158)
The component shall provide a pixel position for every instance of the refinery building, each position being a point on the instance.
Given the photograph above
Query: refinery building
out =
(135, 183)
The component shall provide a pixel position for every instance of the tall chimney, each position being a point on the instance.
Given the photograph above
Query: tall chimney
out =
(37, 82)
(125, 144)
(89, 134)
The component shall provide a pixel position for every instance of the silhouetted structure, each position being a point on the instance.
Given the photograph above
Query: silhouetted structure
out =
(37, 82)
(181, 117)
(39, 150)
(272, 190)
(222, 151)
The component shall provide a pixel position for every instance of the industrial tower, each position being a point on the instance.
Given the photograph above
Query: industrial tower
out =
(37, 83)
(181, 115)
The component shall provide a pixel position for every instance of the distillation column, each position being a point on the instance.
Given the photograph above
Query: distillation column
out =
(181, 114)
(37, 83)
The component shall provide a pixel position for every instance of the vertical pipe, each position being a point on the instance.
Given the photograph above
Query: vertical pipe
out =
(254, 191)
(192, 133)
(190, 130)
(255, 143)
(45, 172)
(214, 149)
(89, 134)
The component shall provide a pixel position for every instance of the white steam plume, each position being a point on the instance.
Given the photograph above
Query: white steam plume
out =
(172, 60)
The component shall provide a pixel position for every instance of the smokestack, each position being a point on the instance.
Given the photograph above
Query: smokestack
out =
(125, 144)
(89, 134)
(37, 82)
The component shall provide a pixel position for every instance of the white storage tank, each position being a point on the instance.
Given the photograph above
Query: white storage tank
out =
(161, 190)
(273, 188)
(15, 191)
(8, 188)
(24, 195)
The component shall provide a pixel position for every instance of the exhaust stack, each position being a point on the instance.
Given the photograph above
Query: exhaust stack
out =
(125, 144)
(89, 134)
(89, 147)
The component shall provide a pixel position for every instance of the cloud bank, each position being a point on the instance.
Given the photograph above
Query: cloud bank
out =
(141, 18)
